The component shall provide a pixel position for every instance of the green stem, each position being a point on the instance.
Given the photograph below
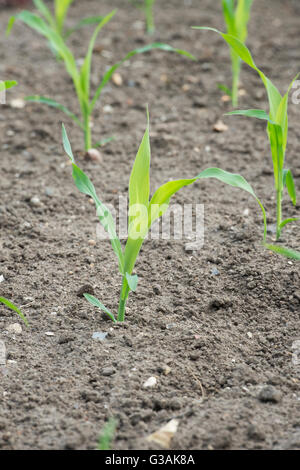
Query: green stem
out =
(236, 68)
(123, 299)
(87, 133)
(279, 214)
(149, 16)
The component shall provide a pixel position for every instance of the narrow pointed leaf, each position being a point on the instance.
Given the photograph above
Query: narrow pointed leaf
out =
(96, 303)
(14, 308)
(288, 221)
(54, 104)
(85, 186)
(281, 250)
(84, 22)
(255, 113)
(290, 185)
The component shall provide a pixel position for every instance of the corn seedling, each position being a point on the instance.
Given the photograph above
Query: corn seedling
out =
(236, 15)
(142, 212)
(107, 434)
(81, 77)
(147, 6)
(14, 308)
(277, 129)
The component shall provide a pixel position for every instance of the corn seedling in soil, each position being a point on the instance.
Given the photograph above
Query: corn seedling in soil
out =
(147, 6)
(81, 77)
(142, 212)
(107, 435)
(236, 15)
(14, 308)
(277, 128)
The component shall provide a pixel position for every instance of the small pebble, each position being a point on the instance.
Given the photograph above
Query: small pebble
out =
(35, 201)
(99, 336)
(108, 371)
(14, 328)
(2, 279)
(215, 272)
(49, 333)
(150, 383)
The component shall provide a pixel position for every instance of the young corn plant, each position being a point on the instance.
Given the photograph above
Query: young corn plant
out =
(107, 435)
(143, 212)
(236, 15)
(81, 77)
(277, 129)
(147, 6)
(10, 305)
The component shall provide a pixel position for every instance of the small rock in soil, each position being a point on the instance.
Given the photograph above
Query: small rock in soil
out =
(99, 336)
(150, 383)
(14, 328)
(35, 201)
(157, 289)
(86, 289)
(2, 279)
(108, 371)
(269, 394)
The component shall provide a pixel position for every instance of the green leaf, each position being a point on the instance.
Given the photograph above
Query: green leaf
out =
(96, 303)
(107, 76)
(84, 22)
(61, 8)
(14, 308)
(57, 42)
(86, 67)
(162, 196)
(85, 186)
(104, 141)
(225, 89)
(45, 12)
(107, 434)
(10, 24)
(6, 84)
(290, 185)
(288, 221)
(132, 281)
(54, 104)
(255, 113)
(139, 182)
(66, 144)
(281, 250)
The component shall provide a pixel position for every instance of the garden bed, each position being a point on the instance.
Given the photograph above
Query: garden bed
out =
(216, 327)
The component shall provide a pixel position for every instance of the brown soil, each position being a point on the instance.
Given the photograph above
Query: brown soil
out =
(227, 338)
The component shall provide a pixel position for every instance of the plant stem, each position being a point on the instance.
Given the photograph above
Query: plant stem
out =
(279, 214)
(149, 16)
(87, 133)
(236, 68)
(123, 299)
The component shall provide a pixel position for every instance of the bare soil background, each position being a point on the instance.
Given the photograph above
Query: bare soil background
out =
(220, 345)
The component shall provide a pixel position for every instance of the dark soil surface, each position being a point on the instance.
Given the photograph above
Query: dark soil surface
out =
(220, 346)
